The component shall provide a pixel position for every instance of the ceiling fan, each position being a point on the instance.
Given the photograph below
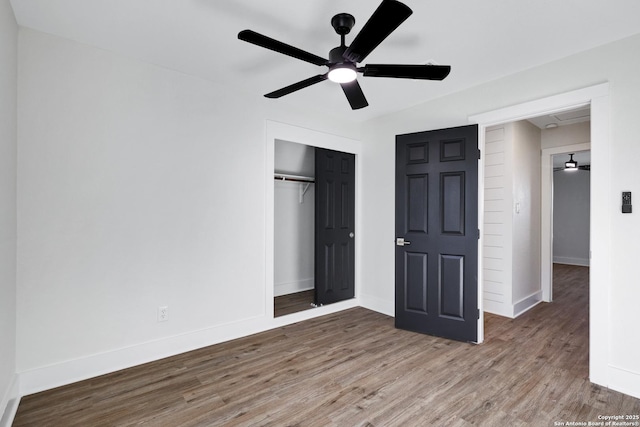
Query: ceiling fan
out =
(572, 165)
(343, 59)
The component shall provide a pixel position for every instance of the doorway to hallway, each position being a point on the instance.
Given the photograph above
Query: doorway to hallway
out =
(597, 97)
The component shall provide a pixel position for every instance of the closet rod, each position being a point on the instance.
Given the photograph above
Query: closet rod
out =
(294, 178)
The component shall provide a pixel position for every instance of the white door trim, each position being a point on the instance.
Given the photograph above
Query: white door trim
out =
(280, 131)
(601, 202)
(546, 236)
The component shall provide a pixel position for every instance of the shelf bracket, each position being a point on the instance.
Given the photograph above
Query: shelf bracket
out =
(303, 190)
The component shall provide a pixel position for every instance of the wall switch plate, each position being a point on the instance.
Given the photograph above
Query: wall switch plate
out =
(163, 313)
(626, 202)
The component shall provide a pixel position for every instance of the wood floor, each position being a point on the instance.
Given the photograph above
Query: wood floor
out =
(293, 303)
(354, 369)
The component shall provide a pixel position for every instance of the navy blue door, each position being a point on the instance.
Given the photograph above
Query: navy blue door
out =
(335, 218)
(437, 232)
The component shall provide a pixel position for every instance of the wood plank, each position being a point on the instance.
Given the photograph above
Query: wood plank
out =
(293, 303)
(532, 370)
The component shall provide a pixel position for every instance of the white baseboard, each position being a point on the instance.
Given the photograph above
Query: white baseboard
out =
(286, 288)
(48, 377)
(71, 371)
(497, 308)
(378, 304)
(9, 403)
(624, 381)
(512, 310)
(527, 303)
(584, 262)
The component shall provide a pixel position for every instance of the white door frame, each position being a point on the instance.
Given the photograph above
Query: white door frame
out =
(546, 237)
(601, 203)
(284, 132)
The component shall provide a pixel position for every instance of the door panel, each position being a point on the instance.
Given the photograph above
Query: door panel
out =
(335, 218)
(416, 275)
(328, 205)
(418, 204)
(452, 285)
(346, 279)
(437, 216)
(452, 203)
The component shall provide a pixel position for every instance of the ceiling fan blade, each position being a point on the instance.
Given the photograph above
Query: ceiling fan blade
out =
(581, 167)
(354, 94)
(277, 46)
(387, 17)
(297, 86)
(423, 72)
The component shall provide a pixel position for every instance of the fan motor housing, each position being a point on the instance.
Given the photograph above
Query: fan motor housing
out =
(335, 55)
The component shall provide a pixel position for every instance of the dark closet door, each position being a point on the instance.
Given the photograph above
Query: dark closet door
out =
(334, 222)
(437, 232)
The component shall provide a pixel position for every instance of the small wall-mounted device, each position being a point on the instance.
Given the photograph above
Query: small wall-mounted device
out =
(626, 202)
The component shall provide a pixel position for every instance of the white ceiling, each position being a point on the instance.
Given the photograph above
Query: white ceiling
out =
(481, 40)
(564, 118)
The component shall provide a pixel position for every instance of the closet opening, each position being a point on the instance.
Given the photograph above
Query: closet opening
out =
(294, 213)
(314, 216)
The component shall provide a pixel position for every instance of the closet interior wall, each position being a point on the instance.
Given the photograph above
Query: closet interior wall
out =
(294, 218)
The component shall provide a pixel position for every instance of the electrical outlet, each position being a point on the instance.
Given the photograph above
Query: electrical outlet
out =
(163, 313)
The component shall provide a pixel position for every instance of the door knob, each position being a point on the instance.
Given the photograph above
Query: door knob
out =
(401, 242)
(351, 234)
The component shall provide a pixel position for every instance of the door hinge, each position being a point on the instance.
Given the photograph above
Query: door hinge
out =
(478, 234)
(479, 154)
(478, 313)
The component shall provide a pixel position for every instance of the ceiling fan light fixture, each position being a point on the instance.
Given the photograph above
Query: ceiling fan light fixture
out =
(571, 164)
(342, 73)
(343, 59)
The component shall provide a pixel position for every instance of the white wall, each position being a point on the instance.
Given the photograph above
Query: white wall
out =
(294, 218)
(616, 63)
(527, 290)
(511, 229)
(294, 159)
(294, 237)
(8, 138)
(497, 261)
(137, 187)
(571, 208)
(566, 135)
